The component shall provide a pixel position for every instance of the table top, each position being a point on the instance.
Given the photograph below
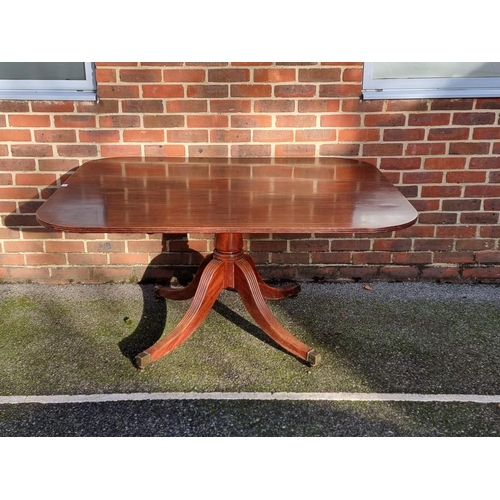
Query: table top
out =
(227, 195)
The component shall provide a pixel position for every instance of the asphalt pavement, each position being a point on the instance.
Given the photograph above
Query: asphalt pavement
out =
(398, 359)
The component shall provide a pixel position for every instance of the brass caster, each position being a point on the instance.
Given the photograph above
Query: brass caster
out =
(313, 357)
(142, 360)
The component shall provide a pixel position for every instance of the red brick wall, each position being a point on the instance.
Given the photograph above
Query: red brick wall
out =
(444, 155)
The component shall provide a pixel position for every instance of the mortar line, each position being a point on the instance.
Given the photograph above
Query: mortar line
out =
(250, 396)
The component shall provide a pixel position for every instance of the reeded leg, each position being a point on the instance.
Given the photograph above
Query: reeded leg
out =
(210, 285)
(249, 288)
(188, 291)
(269, 292)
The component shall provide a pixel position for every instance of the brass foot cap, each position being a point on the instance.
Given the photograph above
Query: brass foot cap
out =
(313, 357)
(143, 359)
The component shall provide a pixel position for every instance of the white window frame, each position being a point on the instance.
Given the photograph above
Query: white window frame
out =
(424, 88)
(47, 90)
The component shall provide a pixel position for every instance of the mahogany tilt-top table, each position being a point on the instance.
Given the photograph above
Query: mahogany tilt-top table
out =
(228, 197)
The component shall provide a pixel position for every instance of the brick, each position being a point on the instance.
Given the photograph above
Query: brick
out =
(435, 244)
(142, 106)
(469, 148)
(11, 260)
(251, 121)
(99, 135)
(75, 121)
(45, 259)
(340, 90)
(14, 107)
(392, 245)
(299, 91)
(488, 257)
(359, 134)
(230, 106)
(30, 120)
(444, 163)
(473, 118)
(120, 150)
(251, 90)
(186, 106)
(275, 106)
(437, 218)
(359, 106)
(31, 150)
(274, 136)
(158, 91)
(184, 75)
(251, 150)
(29, 274)
(385, 120)
(481, 191)
(407, 105)
(231, 135)
(352, 75)
(319, 74)
(400, 163)
(339, 149)
(448, 134)
(413, 258)
(426, 119)
(295, 150)
(164, 150)
(140, 75)
(462, 205)
(87, 259)
(15, 135)
(479, 218)
(315, 245)
(340, 120)
(325, 135)
(466, 177)
(57, 164)
(163, 121)
(422, 177)
(492, 204)
(486, 133)
(207, 121)
(104, 106)
(318, 106)
(55, 136)
(274, 75)
(456, 231)
(425, 149)
(407, 134)
(80, 150)
(489, 103)
(35, 179)
(187, 135)
(300, 121)
(485, 163)
(120, 121)
(371, 258)
(229, 75)
(382, 149)
(63, 246)
(441, 191)
(475, 244)
(453, 257)
(143, 136)
(451, 104)
(482, 273)
(268, 246)
(207, 91)
(440, 273)
(23, 246)
(208, 151)
(399, 273)
(105, 75)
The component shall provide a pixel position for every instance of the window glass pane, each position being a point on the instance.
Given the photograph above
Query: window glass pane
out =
(436, 70)
(42, 71)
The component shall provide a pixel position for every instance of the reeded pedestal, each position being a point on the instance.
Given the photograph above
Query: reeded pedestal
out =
(228, 267)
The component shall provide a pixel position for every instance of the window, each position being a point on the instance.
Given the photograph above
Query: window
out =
(422, 80)
(47, 81)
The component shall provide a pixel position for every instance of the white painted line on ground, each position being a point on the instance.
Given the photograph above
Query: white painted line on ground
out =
(255, 396)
